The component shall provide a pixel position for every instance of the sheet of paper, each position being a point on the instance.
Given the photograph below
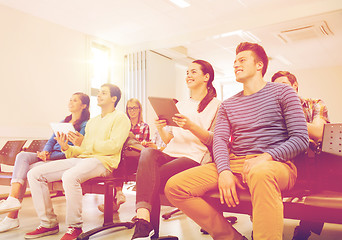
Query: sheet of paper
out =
(62, 128)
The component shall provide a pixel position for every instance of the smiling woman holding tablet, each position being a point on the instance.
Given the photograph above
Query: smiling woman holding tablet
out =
(79, 108)
(187, 145)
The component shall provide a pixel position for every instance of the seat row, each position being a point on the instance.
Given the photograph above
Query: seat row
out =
(9, 152)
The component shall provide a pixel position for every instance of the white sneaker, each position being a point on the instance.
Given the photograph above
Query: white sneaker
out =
(9, 205)
(8, 224)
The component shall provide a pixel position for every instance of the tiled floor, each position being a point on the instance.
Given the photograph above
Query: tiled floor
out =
(178, 225)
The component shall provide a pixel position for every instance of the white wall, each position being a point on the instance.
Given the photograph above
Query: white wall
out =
(41, 65)
(182, 91)
(324, 83)
(160, 81)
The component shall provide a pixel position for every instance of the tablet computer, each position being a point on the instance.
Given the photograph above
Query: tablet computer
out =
(62, 128)
(165, 109)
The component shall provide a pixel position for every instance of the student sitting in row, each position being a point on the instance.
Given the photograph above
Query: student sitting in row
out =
(186, 147)
(98, 155)
(79, 108)
(141, 133)
(267, 128)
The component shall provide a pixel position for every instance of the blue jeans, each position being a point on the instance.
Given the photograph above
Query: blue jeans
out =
(154, 169)
(23, 163)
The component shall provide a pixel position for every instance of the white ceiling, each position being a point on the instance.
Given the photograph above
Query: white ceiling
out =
(204, 29)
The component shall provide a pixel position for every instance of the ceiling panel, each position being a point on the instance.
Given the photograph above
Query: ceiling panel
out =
(155, 24)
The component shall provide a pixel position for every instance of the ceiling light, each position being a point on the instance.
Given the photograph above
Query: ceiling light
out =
(245, 35)
(283, 60)
(242, 3)
(180, 3)
(229, 34)
(250, 36)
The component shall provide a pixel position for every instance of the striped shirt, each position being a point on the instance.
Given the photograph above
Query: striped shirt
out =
(268, 121)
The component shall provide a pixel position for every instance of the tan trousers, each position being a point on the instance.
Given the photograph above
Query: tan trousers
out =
(265, 182)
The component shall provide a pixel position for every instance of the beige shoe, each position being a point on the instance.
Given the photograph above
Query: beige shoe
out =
(120, 198)
(115, 207)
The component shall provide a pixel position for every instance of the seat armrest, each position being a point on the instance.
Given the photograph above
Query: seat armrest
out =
(326, 199)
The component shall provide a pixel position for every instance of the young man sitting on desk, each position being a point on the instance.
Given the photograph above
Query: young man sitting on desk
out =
(267, 128)
(98, 155)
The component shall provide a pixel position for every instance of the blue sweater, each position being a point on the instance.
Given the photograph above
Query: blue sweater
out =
(53, 147)
(268, 121)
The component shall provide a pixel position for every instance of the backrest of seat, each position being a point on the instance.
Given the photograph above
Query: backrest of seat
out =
(330, 158)
(332, 138)
(129, 162)
(10, 150)
(36, 145)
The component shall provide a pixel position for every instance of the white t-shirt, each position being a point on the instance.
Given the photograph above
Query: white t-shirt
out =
(184, 143)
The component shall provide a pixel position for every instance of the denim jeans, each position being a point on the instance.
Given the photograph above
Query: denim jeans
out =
(154, 169)
(73, 172)
(23, 163)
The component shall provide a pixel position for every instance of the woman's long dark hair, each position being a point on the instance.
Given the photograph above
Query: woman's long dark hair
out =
(85, 115)
(207, 68)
